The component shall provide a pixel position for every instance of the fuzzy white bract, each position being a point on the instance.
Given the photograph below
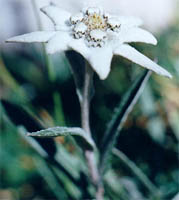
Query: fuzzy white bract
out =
(96, 35)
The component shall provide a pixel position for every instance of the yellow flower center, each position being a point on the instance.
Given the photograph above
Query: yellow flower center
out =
(93, 25)
(95, 21)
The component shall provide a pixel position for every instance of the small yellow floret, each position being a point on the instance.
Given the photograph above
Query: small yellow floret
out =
(95, 21)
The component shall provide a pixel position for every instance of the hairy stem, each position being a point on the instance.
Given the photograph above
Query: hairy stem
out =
(85, 104)
(85, 111)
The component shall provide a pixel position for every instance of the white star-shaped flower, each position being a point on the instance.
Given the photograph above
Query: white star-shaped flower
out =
(97, 36)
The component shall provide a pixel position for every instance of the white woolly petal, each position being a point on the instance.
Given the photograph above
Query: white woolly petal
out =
(39, 36)
(59, 42)
(80, 46)
(136, 34)
(56, 14)
(138, 58)
(99, 58)
(130, 21)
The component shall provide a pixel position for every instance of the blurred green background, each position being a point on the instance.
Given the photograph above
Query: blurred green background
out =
(149, 138)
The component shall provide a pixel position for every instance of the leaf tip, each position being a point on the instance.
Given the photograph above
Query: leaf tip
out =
(28, 134)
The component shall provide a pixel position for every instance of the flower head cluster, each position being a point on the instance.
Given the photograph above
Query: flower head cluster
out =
(96, 35)
(93, 25)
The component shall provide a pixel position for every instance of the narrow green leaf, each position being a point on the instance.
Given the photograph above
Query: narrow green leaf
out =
(79, 134)
(46, 148)
(72, 189)
(58, 161)
(137, 172)
(113, 185)
(30, 123)
(32, 142)
(48, 174)
(58, 109)
(120, 116)
(155, 125)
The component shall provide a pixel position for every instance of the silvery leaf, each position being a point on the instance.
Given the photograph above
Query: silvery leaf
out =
(79, 134)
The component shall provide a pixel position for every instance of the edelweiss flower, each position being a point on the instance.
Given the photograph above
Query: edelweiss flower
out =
(96, 35)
